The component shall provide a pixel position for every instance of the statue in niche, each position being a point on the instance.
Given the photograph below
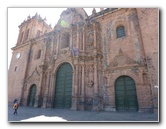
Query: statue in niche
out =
(90, 39)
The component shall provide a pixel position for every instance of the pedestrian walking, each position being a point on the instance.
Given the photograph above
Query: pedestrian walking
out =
(15, 106)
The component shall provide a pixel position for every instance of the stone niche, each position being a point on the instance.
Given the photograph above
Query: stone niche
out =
(65, 40)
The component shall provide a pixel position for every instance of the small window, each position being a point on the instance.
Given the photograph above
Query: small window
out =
(120, 31)
(38, 54)
(16, 69)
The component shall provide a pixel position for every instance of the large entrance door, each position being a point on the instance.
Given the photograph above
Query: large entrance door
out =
(32, 94)
(63, 87)
(125, 94)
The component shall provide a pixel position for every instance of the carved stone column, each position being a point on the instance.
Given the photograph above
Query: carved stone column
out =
(52, 46)
(45, 97)
(58, 43)
(40, 85)
(82, 98)
(95, 77)
(96, 90)
(83, 80)
(78, 45)
(94, 27)
(76, 81)
(71, 39)
(75, 90)
(83, 45)
(51, 91)
(73, 83)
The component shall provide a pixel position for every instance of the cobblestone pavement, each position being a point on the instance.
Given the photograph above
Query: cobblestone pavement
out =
(31, 114)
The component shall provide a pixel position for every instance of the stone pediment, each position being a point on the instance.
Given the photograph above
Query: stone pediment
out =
(34, 75)
(121, 60)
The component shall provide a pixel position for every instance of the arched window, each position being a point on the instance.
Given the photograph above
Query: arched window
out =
(120, 31)
(16, 69)
(27, 34)
(21, 37)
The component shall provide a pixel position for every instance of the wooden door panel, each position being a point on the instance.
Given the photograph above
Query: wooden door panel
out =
(125, 94)
(63, 87)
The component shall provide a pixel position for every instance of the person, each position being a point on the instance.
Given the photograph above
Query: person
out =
(15, 106)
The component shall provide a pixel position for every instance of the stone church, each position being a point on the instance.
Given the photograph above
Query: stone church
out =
(106, 61)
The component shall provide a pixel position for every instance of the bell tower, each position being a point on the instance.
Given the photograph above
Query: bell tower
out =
(31, 28)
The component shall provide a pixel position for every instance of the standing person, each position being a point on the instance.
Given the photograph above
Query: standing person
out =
(15, 106)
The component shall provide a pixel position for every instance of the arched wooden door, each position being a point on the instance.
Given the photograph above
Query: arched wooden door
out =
(63, 87)
(125, 94)
(32, 94)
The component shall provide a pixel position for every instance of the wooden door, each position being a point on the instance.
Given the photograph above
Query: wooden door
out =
(125, 94)
(63, 87)
(32, 94)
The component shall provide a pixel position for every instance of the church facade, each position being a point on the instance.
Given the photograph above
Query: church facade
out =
(105, 61)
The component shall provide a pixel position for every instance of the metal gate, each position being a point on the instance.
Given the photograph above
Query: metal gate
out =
(32, 94)
(125, 94)
(63, 87)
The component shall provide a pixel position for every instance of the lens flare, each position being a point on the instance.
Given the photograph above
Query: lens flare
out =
(63, 23)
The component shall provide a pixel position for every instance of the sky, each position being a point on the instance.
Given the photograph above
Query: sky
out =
(52, 15)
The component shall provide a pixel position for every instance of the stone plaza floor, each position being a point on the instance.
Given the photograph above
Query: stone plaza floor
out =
(32, 114)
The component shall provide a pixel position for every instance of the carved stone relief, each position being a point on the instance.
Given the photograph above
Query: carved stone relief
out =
(34, 76)
(90, 40)
(74, 38)
(121, 60)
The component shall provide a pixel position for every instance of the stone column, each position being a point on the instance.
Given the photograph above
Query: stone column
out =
(95, 78)
(58, 43)
(78, 45)
(71, 39)
(46, 91)
(52, 44)
(75, 90)
(51, 90)
(82, 99)
(73, 83)
(96, 90)
(76, 81)
(94, 26)
(39, 89)
(83, 47)
(83, 80)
